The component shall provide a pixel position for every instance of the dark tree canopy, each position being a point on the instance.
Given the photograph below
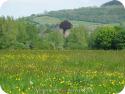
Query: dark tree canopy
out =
(113, 3)
(65, 25)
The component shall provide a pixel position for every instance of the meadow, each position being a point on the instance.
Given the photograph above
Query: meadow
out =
(43, 20)
(62, 72)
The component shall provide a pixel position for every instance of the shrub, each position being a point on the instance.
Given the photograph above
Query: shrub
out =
(103, 37)
(53, 40)
(77, 39)
(119, 39)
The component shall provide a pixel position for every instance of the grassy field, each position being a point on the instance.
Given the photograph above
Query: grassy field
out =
(62, 72)
(51, 20)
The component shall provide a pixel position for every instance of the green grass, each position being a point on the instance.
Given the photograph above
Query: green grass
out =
(52, 20)
(46, 20)
(62, 72)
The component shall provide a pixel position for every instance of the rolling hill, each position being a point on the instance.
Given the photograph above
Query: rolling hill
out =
(111, 12)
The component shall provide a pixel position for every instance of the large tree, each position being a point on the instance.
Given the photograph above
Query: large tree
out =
(103, 37)
(65, 25)
(77, 39)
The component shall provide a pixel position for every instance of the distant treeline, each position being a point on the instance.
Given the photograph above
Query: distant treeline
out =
(104, 15)
(21, 34)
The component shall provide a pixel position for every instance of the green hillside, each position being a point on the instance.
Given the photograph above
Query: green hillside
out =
(46, 20)
(97, 15)
(89, 16)
(54, 21)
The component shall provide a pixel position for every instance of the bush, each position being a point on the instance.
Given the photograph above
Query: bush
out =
(119, 39)
(53, 40)
(103, 37)
(77, 39)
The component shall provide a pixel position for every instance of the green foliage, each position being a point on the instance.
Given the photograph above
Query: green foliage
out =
(108, 37)
(21, 34)
(53, 40)
(103, 37)
(77, 39)
(16, 34)
(119, 40)
(27, 35)
(7, 32)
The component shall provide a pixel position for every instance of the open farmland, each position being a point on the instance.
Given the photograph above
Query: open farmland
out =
(62, 72)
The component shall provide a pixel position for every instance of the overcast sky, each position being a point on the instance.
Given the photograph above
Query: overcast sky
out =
(27, 7)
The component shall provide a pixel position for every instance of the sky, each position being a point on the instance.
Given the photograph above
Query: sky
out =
(18, 8)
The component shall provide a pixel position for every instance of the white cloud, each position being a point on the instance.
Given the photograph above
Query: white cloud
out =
(123, 91)
(123, 1)
(2, 2)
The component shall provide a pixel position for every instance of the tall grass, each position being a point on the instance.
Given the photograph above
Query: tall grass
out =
(62, 72)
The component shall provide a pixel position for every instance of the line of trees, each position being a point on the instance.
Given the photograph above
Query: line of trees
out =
(20, 34)
(15, 34)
